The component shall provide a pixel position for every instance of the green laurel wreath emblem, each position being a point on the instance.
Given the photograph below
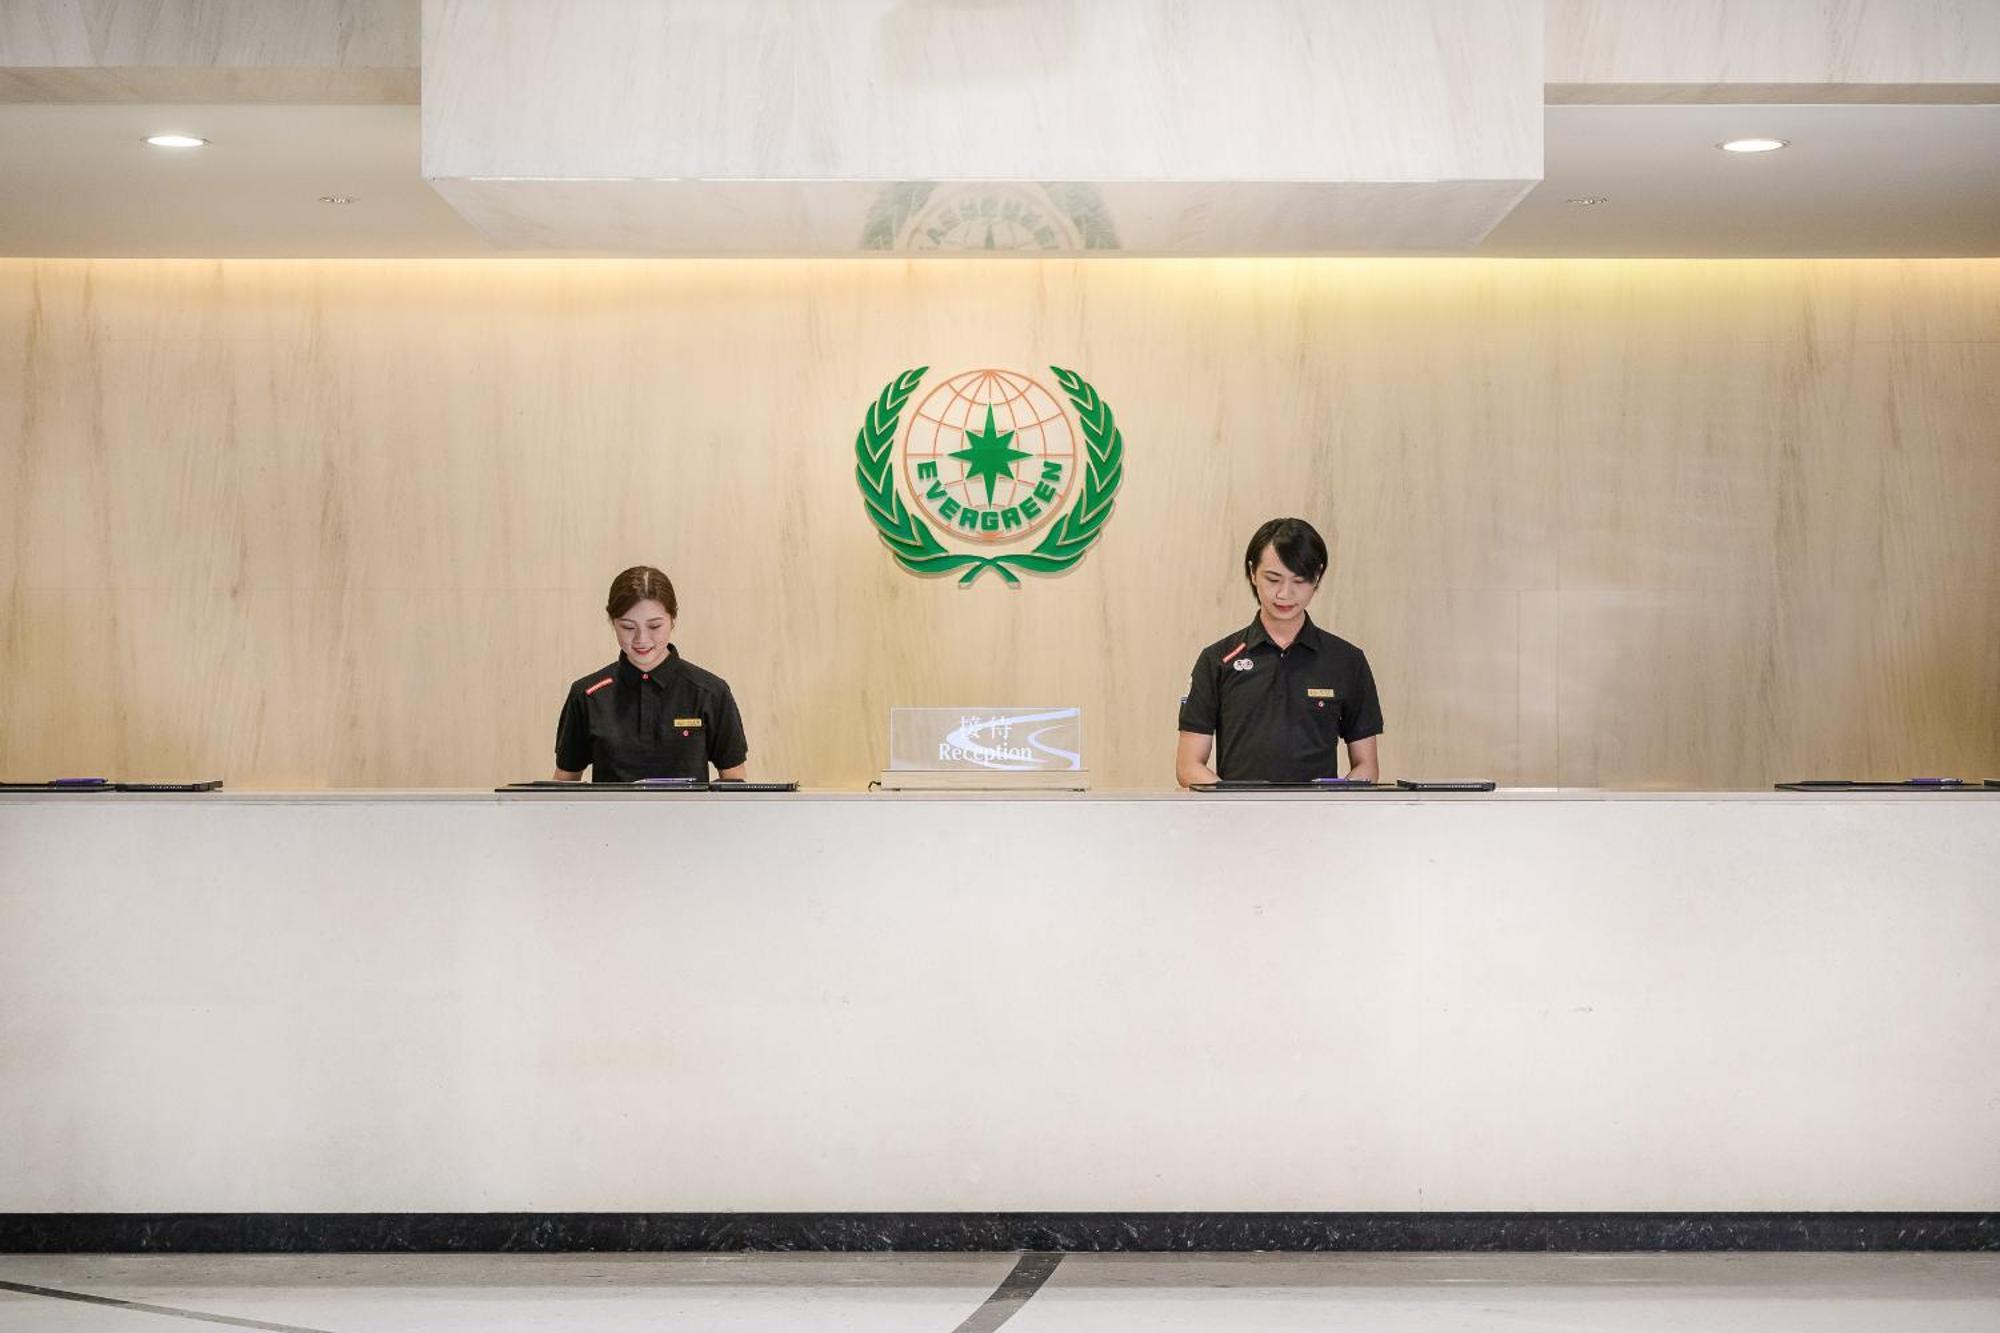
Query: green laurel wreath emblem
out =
(910, 540)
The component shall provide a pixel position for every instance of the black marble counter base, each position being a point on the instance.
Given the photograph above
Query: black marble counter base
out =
(299, 1233)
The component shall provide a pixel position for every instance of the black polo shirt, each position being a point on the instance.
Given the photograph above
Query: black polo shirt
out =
(1279, 715)
(624, 724)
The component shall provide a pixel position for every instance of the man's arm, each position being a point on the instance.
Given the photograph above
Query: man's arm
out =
(1200, 719)
(564, 775)
(1191, 759)
(1361, 764)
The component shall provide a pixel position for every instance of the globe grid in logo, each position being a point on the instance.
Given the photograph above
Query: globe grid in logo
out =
(990, 456)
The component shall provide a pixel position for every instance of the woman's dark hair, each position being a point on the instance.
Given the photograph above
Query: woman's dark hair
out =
(641, 583)
(1298, 545)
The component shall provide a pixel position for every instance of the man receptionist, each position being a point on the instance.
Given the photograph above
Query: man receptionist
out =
(1275, 700)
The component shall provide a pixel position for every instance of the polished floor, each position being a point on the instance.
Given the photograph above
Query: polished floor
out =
(904, 1293)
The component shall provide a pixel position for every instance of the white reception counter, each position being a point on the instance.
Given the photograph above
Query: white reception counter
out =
(469, 1002)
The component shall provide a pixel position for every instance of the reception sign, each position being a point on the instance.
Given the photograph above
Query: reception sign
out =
(1005, 740)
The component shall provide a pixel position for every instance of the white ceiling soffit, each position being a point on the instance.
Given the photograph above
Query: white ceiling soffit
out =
(804, 128)
(1861, 181)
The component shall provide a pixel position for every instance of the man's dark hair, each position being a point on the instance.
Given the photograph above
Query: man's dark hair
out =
(1299, 547)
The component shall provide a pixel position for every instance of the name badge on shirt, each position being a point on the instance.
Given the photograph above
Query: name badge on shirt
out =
(1319, 694)
(687, 721)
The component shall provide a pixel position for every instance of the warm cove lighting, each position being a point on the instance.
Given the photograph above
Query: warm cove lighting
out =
(174, 141)
(1753, 145)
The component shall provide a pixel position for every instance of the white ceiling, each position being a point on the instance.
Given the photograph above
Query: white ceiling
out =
(76, 180)
(1856, 181)
(80, 180)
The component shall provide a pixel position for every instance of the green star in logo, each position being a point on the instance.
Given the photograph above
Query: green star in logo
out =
(990, 454)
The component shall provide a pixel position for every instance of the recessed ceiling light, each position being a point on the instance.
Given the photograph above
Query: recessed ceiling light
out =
(1753, 145)
(1585, 201)
(336, 199)
(174, 141)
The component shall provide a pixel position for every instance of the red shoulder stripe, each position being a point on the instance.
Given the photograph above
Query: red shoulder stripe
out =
(598, 686)
(1232, 654)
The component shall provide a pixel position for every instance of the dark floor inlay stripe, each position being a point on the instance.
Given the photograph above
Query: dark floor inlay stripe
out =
(231, 1320)
(1014, 1291)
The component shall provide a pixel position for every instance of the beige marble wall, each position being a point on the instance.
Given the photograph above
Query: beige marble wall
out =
(1629, 523)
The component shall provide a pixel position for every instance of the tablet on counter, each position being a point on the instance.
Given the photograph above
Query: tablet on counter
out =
(1863, 784)
(1316, 784)
(663, 785)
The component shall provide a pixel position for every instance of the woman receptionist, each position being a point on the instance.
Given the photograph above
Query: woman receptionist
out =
(650, 714)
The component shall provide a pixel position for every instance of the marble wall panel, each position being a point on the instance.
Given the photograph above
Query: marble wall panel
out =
(799, 126)
(1772, 50)
(209, 32)
(1051, 90)
(209, 51)
(1630, 523)
(394, 1005)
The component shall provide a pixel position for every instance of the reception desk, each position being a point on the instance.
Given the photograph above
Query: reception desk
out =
(435, 1002)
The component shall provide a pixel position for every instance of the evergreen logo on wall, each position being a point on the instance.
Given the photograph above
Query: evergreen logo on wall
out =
(993, 472)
